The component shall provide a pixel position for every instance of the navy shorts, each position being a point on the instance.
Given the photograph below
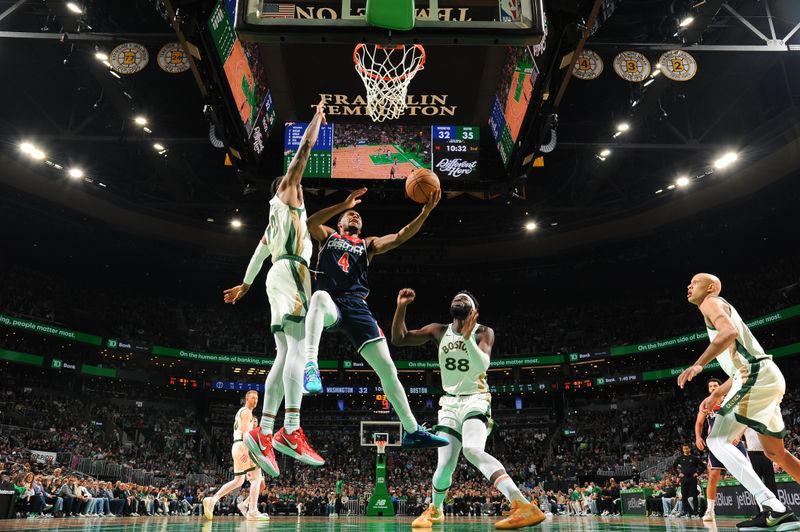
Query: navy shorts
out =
(356, 321)
(714, 463)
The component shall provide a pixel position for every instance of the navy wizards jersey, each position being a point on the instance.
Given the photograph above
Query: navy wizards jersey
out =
(342, 266)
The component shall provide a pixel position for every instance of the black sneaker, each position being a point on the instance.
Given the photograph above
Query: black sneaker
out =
(769, 519)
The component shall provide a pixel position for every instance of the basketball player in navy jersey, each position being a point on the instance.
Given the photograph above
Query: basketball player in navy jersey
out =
(340, 300)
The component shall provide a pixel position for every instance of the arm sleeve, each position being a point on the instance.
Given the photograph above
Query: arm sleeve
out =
(259, 256)
(476, 356)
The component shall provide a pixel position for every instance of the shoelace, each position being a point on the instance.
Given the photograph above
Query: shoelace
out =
(311, 373)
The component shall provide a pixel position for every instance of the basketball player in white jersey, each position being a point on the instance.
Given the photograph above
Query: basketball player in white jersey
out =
(465, 414)
(242, 466)
(289, 290)
(751, 397)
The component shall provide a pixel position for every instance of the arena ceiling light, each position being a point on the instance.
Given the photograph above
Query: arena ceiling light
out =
(726, 160)
(605, 153)
(75, 173)
(75, 8)
(27, 148)
(159, 147)
(115, 75)
(682, 181)
(101, 56)
(530, 226)
(140, 120)
(622, 127)
(236, 223)
(686, 21)
(648, 82)
(37, 154)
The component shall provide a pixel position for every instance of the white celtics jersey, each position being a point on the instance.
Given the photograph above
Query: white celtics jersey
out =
(745, 349)
(459, 377)
(287, 233)
(238, 432)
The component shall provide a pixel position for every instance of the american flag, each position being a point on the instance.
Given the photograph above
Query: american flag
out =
(277, 10)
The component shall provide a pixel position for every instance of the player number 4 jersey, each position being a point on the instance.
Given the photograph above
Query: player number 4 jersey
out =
(343, 266)
(459, 375)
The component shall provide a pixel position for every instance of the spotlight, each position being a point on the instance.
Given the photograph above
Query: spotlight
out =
(682, 181)
(657, 71)
(605, 153)
(106, 63)
(670, 187)
(726, 160)
(659, 191)
(26, 147)
(75, 173)
(115, 75)
(236, 223)
(101, 56)
(72, 6)
(159, 147)
(623, 127)
(530, 226)
(37, 154)
(147, 130)
(648, 82)
(142, 121)
(686, 21)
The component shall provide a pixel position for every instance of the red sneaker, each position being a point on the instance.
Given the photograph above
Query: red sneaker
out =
(261, 453)
(296, 446)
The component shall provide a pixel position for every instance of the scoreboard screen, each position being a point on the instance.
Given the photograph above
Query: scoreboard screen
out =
(456, 150)
(391, 152)
(320, 161)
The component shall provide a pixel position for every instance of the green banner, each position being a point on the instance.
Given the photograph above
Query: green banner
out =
(22, 358)
(98, 371)
(43, 328)
(416, 364)
(675, 341)
(185, 354)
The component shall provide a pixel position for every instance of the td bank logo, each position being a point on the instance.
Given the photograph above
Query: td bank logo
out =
(56, 363)
(573, 357)
(112, 344)
(600, 381)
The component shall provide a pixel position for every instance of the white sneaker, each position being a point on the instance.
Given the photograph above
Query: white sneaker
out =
(242, 506)
(709, 515)
(208, 508)
(256, 516)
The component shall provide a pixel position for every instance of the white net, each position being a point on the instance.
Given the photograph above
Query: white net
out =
(386, 73)
(380, 446)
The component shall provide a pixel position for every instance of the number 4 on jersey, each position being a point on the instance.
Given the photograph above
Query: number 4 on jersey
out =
(344, 262)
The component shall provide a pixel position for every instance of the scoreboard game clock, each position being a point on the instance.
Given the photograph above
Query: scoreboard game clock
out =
(320, 161)
(456, 151)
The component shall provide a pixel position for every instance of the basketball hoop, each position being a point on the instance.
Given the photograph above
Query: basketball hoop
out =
(386, 72)
(381, 446)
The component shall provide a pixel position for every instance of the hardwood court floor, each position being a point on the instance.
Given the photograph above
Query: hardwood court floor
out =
(357, 524)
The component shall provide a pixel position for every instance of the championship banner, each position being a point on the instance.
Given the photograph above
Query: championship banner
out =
(588, 66)
(678, 65)
(632, 66)
(129, 58)
(52, 330)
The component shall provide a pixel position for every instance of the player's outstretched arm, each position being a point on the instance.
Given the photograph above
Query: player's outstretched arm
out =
(401, 336)
(288, 189)
(698, 430)
(232, 295)
(382, 244)
(315, 222)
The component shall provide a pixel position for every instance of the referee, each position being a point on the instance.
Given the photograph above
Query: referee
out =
(689, 467)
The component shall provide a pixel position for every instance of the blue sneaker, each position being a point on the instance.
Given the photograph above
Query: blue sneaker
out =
(422, 439)
(311, 379)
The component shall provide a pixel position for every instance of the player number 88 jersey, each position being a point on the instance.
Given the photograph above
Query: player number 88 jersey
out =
(459, 375)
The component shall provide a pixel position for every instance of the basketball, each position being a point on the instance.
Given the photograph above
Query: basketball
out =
(420, 184)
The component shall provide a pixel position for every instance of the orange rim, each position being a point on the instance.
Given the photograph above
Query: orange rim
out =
(371, 75)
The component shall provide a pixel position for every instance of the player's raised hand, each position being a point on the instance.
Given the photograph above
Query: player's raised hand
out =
(469, 323)
(433, 200)
(321, 110)
(688, 374)
(405, 296)
(352, 200)
(232, 295)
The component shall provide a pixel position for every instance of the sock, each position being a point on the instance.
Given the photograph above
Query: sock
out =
(508, 488)
(439, 497)
(255, 488)
(322, 312)
(775, 504)
(711, 506)
(291, 421)
(378, 357)
(293, 376)
(267, 422)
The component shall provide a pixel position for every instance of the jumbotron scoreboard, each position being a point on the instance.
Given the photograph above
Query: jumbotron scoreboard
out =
(456, 151)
